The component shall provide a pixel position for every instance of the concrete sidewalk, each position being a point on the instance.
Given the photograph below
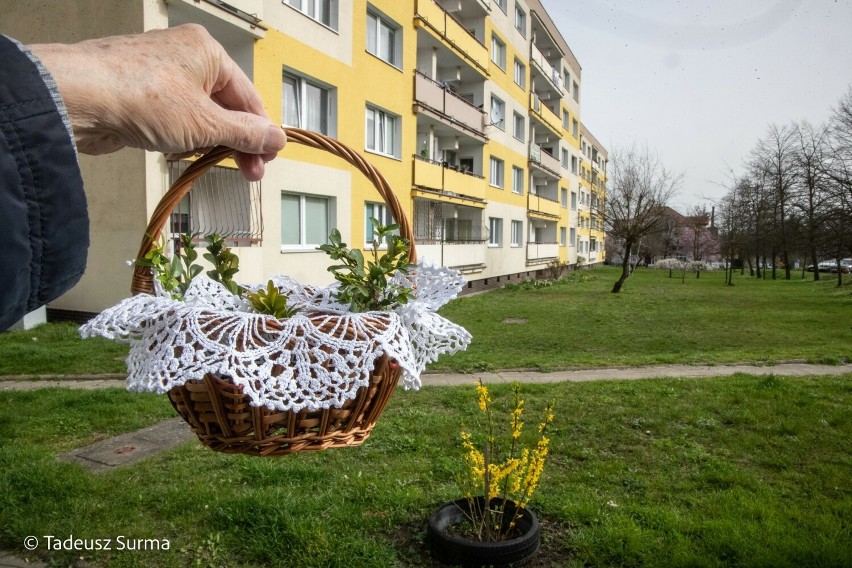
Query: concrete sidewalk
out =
(508, 376)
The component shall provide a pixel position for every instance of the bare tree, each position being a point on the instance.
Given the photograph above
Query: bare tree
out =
(812, 165)
(773, 159)
(638, 190)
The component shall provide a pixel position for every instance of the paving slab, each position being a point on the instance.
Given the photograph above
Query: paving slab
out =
(127, 449)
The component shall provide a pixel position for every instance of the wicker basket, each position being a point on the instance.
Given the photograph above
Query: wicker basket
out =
(216, 408)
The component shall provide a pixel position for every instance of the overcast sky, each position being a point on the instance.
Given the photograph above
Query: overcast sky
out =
(699, 82)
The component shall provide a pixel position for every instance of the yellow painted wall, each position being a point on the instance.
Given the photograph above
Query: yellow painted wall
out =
(367, 80)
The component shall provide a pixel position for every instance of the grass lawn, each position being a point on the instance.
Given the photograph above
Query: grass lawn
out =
(654, 320)
(578, 323)
(738, 471)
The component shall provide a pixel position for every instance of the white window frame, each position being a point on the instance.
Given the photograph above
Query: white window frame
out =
(574, 200)
(376, 43)
(517, 180)
(382, 214)
(563, 197)
(498, 51)
(576, 92)
(572, 237)
(562, 236)
(309, 9)
(519, 126)
(303, 244)
(520, 20)
(574, 165)
(575, 128)
(495, 232)
(520, 74)
(301, 84)
(497, 172)
(517, 234)
(502, 4)
(379, 143)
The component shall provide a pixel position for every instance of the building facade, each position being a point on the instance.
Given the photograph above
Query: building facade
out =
(470, 109)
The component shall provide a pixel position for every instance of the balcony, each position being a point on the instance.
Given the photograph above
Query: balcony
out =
(551, 76)
(545, 115)
(542, 207)
(465, 257)
(449, 182)
(544, 161)
(443, 24)
(451, 109)
(541, 253)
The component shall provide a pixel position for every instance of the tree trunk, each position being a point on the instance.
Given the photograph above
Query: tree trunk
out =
(814, 261)
(625, 268)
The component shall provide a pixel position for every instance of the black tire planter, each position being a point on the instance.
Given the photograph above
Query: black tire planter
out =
(454, 550)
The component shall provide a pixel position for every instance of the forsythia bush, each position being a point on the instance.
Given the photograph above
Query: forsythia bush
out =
(502, 470)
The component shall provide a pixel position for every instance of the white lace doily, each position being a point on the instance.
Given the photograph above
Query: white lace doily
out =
(314, 360)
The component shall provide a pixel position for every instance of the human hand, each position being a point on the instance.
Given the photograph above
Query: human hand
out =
(174, 91)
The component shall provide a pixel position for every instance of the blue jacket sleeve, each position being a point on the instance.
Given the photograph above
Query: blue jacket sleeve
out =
(44, 224)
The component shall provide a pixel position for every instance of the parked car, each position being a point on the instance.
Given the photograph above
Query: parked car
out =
(823, 266)
(831, 266)
(845, 266)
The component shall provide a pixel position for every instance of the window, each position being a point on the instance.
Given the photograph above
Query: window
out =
(498, 52)
(517, 180)
(566, 79)
(502, 4)
(496, 176)
(566, 120)
(378, 211)
(308, 104)
(384, 39)
(576, 90)
(575, 128)
(382, 132)
(562, 236)
(520, 74)
(520, 20)
(306, 220)
(495, 232)
(573, 200)
(564, 158)
(498, 113)
(564, 197)
(573, 237)
(519, 126)
(323, 11)
(574, 164)
(517, 233)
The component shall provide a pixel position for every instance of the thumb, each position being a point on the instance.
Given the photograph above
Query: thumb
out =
(249, 133)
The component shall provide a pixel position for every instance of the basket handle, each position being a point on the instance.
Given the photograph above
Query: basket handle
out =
(143, 280)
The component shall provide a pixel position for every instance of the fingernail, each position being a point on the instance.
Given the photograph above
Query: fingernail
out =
(275, 140)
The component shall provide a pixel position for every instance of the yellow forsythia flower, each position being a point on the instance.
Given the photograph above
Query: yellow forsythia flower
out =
(484, 398)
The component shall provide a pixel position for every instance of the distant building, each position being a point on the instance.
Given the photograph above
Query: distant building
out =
(470, 108)
(684, 237)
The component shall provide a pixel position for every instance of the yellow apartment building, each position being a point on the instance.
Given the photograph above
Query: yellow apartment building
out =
(470, 109)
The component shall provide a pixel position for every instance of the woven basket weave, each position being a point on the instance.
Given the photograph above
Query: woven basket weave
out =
(216, 408)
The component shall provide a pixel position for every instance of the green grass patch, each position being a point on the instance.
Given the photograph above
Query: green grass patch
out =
(737, 471)
(654, 320)
(58, 349)
(577, 323)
